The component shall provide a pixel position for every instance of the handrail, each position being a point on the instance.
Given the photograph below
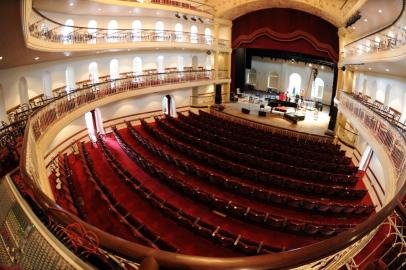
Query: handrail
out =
(288, 259)
(39, 28)
(387, 42)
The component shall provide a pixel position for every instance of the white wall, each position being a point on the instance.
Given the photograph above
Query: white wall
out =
(151, 102)
(264, 66)
(377, 86)
(9, 78)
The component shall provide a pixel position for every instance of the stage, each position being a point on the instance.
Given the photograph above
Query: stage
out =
(311, 124)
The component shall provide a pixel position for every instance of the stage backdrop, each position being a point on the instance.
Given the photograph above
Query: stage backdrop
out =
(284, 30)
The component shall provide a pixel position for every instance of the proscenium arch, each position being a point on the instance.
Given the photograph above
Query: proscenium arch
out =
(233, 10)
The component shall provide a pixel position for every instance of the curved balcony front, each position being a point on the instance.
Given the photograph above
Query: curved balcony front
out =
(386, 44)
(45, 34)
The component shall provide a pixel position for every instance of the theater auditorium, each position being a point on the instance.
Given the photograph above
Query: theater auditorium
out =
(203, 134)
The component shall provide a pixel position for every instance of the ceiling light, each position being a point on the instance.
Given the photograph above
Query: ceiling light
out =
(200, 19)
(310, 65)
(71, 4)
(369, 68)
(36, 58)
(380, 11)
(322, 67)
(1, 57)
(193, 18)
(185, 17)
(177, 15)
(354, 27)
(387, 70)
(365, 20)
(66, 53)
(99, 9)
(157, 13)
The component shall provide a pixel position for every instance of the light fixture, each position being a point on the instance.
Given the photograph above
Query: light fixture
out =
(177, 15)
(365, 20)
(36, 58)
(99, 9)
(66, 53)
(354, 27)
(387, 70)
(200, 19)
(185, 17)
(380, 11)
(71, 4)
(369, 68)
(193, 18)
(310, 64)
(1, 57)
(322, 67)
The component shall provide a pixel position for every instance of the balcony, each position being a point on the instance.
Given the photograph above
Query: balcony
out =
(48, 35)
(194, 6)
(386, 44)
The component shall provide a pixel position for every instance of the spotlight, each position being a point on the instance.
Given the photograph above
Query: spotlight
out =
(177, 15)
(193, 18)
(200, 19)
(185, 17)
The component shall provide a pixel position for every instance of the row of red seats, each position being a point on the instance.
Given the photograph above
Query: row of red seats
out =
(196, 224)
(333, 192)
(235, 151)
(142, 233)
(272, 141)
(253, 192)
(237, 210)
(201, 129)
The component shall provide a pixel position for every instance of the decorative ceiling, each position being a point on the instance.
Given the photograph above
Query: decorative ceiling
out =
(334, 11)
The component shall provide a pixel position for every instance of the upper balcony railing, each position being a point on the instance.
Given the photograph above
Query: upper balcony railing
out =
(385, 39)
(328, 254)
(45, 29)
(186, 4)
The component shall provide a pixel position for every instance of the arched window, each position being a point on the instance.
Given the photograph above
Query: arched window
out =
(317, 89)
(179, 32)
(114, 72)
(92, 31)
(70, 81)
(93, 73)
(273, 80)
(112, 31)
(295, 82)
(137, 66)
(67, 31)
(159, 30)
(136, 29)
(23, 90)
(207, 36)
(193, 34)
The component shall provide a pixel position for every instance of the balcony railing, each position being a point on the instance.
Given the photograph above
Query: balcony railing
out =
(388, 38)
(43, 28)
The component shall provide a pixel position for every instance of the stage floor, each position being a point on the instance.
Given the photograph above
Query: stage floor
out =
(309, 125)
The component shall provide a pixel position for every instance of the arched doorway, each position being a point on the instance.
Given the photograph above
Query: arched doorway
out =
(317, 89)
(70, 81)
(112, 31)
(93, 73)
(3, 113)
(159, 31)
(136, 29)
(387, 94)
(114, 72)
(47, 84)
(94, 123)
(168, 105)
(92, 31)
(179, 32)
(23, 90)
(295, 83)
